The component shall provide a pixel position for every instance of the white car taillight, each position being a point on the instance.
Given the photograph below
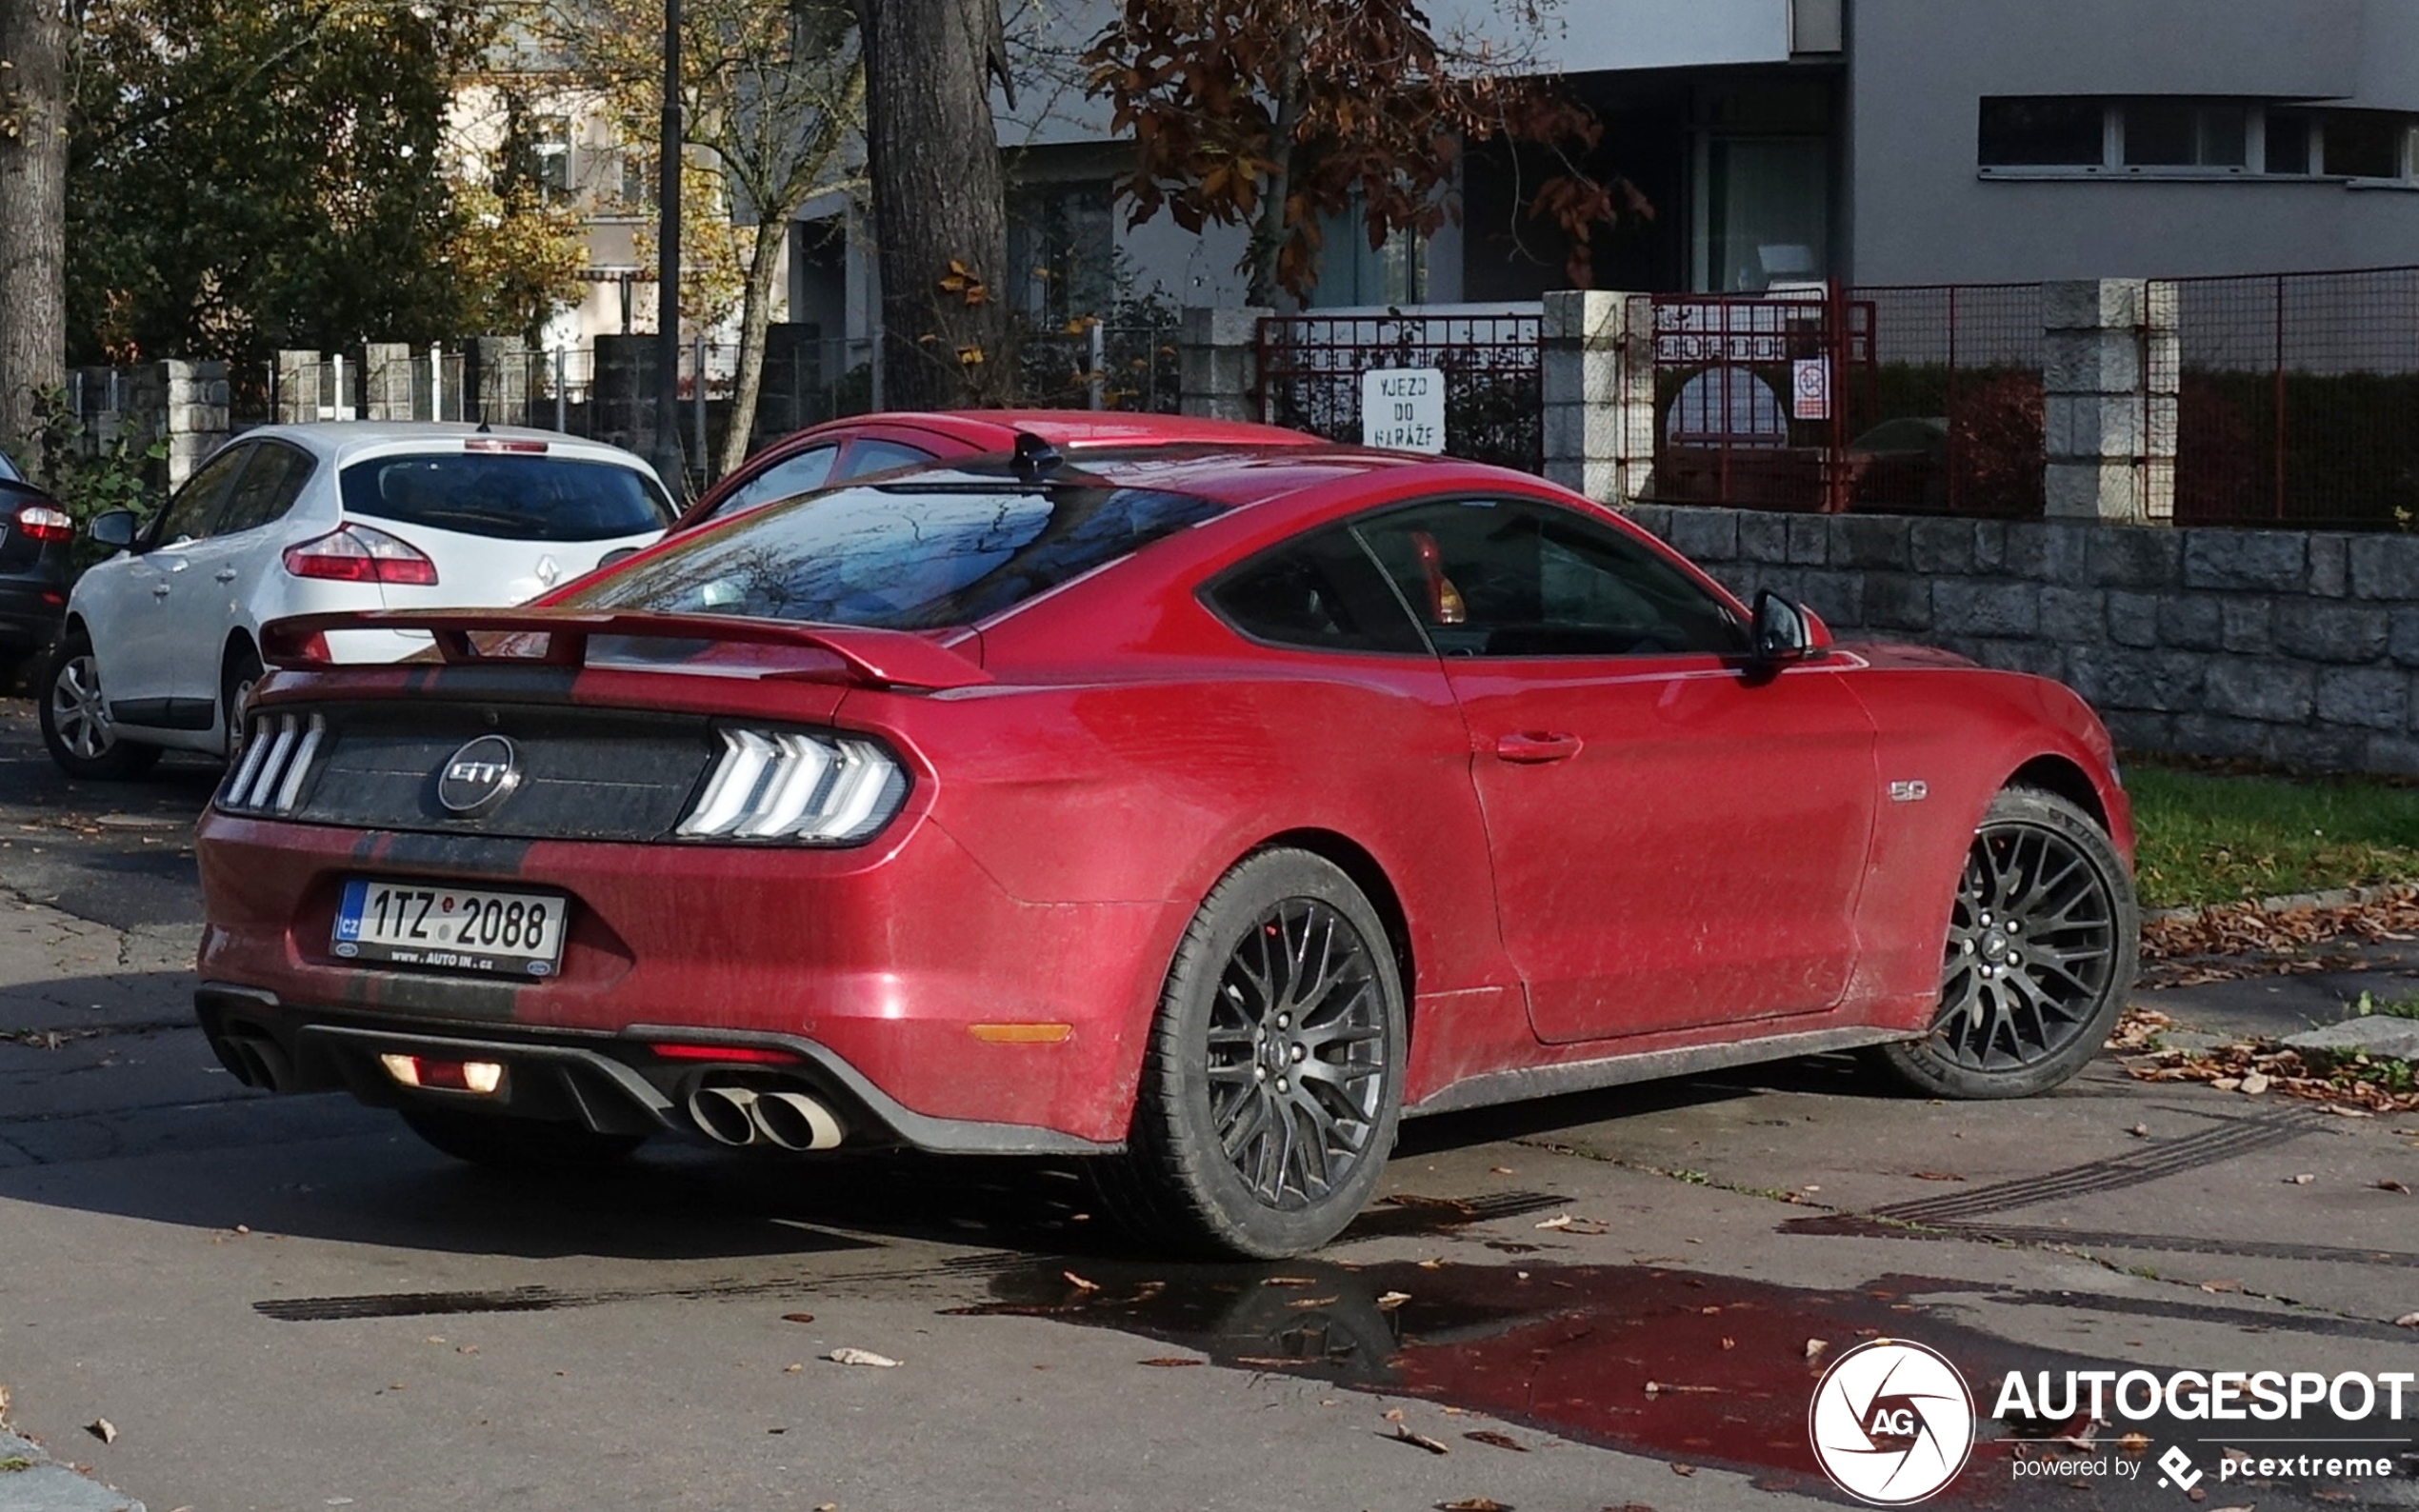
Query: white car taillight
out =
(360, 553)
(815, 789)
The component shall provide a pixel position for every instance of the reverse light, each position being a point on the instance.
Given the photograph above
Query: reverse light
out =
(816, 789)
(481, 1077)
(40, 522)
(360, 553)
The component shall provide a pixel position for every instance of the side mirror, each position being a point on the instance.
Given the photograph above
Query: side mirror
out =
(1784, 633)
(113, 528)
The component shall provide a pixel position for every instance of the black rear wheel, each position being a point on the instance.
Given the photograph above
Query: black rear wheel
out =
(2044, 937)
(1274, 1075)
(517, 1144)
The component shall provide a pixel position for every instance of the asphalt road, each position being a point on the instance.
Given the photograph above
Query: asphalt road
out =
(290, 1304)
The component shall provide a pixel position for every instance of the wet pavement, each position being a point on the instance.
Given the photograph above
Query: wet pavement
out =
(1614, 1300)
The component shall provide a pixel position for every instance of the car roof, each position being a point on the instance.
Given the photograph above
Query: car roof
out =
(1241, 477)
(342, 440)
(997, 429)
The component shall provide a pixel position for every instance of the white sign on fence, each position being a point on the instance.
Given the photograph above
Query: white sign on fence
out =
(1403, 409)
(1810, 389)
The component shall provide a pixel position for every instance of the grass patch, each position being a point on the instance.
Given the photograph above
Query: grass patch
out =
(2368, 1004)
(2211, 837)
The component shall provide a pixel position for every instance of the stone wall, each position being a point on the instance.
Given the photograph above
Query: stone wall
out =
(2289, 646)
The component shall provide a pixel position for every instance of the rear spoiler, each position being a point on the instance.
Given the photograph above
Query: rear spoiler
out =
(884, 658)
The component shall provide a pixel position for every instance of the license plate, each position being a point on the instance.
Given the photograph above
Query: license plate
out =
(444, 928)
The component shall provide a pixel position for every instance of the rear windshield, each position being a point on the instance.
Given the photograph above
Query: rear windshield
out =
(906, 557)
(519, 497)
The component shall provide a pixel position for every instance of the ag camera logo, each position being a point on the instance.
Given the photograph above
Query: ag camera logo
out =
(1892, 1423)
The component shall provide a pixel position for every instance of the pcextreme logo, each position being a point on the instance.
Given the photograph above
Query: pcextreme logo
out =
(1892, 1423)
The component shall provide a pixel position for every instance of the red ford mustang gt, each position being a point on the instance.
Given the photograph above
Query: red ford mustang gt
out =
(1204, 813)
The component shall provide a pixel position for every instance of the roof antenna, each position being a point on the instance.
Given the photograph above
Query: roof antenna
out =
(484, 428)
(1035, 459)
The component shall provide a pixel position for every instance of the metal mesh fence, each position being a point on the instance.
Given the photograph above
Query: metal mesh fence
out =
(1946, 416)
(1311, 369)
(2299, 399)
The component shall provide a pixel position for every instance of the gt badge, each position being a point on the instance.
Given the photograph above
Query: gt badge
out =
(479, 776)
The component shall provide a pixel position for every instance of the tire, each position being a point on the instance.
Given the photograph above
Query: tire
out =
(504, 1142)
(1220, 1068)
(75, 722)
(2044, 937)
(235, 681)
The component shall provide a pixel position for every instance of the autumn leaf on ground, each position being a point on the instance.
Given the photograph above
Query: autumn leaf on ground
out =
(849, 1355)
(1501, 1440)
(1079, 1282)
(103, 1429)
(1418, 1441)
(1815, 1346)
(1169, 1361)
(1474, 1503)
(797, 1317)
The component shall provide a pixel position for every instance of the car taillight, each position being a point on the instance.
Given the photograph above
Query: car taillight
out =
(816, 789)
(43, 522)
(359, 553)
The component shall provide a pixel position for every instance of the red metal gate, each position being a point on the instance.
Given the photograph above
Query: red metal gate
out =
(1752, 398)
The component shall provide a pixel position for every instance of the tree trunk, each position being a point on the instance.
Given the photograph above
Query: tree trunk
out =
(755, 314)
(33, 211)
(939, 197)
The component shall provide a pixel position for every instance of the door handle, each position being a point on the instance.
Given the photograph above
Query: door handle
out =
(225, 574)
(1531, 748)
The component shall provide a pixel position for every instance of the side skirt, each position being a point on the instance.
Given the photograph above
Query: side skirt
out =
(1614, 1070)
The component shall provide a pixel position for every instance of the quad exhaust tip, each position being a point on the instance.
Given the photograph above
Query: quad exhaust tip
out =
(796, 1121)
(725, 1114)
(739, 1116)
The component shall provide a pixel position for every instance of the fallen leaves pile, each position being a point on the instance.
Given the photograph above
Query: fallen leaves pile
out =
(2253, 1068)
(2235, 940)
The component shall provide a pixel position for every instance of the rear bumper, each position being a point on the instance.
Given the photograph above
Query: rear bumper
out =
(613, 1084)
(31, 610)
(877, 965)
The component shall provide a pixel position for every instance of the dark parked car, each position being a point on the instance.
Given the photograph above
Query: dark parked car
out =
(35, 539)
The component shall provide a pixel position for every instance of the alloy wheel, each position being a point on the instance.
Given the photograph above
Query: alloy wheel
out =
(1298, 1054)
(78, 713)
(2033, 942)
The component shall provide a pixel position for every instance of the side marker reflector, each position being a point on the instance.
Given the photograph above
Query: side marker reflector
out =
(1020, 1033)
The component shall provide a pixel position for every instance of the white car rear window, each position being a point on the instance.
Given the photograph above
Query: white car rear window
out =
(515, 497)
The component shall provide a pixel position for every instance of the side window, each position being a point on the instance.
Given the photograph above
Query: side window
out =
(267, 489)
(193, 512)
(1494, 578)
(804, 473)
(1321, 592)
(881, 456)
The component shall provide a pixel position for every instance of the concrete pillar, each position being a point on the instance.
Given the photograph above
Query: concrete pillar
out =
(1596, 374)
(2110, 370)
(1218, 361)
(195, 421)
(297, 401)
(385, 381)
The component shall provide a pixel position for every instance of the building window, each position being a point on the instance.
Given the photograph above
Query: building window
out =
(2036, 133)
(2364, 144)
(2180, 133)
(2290, 135)
(550, 145)
(2167, 137)
(1351, 272)
(1061, 242)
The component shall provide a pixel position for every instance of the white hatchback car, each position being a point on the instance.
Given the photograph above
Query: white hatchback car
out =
(161, 643)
